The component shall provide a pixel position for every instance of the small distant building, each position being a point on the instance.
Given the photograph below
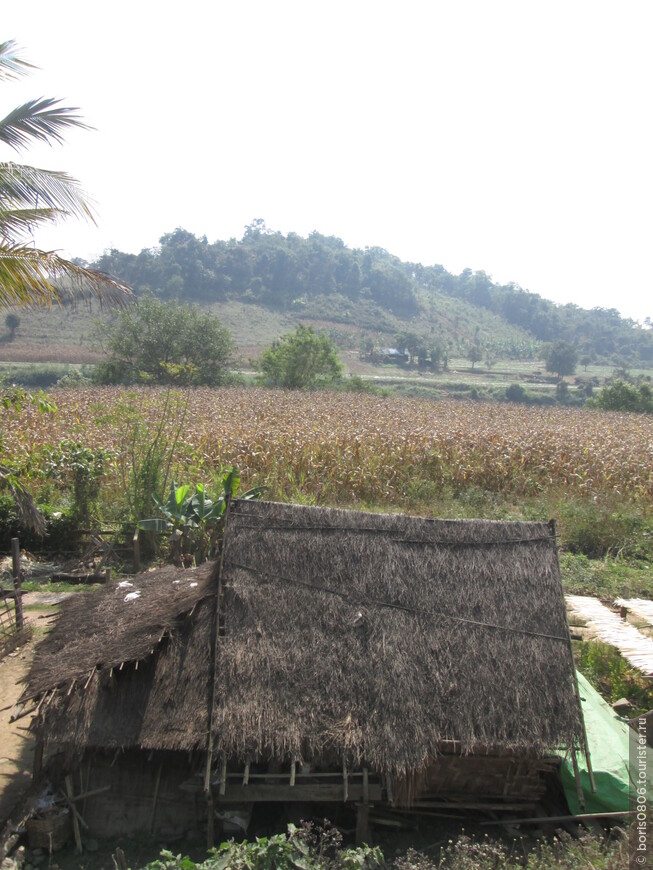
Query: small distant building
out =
(392, 354)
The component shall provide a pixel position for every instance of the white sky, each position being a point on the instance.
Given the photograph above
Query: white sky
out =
(513, 137)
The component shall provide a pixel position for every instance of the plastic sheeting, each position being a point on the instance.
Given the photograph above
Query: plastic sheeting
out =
(613, 747)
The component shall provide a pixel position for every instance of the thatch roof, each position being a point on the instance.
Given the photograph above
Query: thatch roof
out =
(376, 637)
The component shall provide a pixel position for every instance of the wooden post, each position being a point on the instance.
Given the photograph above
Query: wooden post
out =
(137, 552)
(579, 787)
(18, 600)
(223, 778)
(71, 799)
(210, 821)
(345, 783)
(362, 824)
(586, 745)
(215, 642)
(37, 764)
(155, 798)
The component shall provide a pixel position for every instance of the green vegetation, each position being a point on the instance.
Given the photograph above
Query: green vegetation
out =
(193, 519)
(620, 396)
(309, 848)
(30, 197)
(302, 360)
(320, 280)
(157, 342)
(607, 578)
(12, 322)
(613, 677)
(561, 358)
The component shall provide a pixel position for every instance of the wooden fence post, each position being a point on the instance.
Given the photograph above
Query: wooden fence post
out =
(18, 600)
(137, 552)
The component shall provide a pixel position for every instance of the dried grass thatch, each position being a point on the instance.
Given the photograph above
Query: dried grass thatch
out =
(377, 638)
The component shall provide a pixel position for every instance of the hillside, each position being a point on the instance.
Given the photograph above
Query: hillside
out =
(264, 283)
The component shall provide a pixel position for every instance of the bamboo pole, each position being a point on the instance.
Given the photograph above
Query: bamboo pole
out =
(588, 759)
(71, 800)
(212, 695)
(18, 601)
(155, 797)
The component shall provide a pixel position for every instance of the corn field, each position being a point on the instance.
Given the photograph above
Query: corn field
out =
(351, 448)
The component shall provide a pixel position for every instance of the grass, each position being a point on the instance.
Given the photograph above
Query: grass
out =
(607, 578)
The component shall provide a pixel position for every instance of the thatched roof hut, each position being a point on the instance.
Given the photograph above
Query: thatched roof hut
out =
(374, 639)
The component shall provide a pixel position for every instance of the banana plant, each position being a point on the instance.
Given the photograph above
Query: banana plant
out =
(193, 519)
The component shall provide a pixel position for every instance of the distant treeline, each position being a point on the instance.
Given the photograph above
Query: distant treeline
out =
(281, 272)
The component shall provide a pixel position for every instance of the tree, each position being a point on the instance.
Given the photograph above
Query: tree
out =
(475, 354)
(30, 197)
(561, 358)
(165, 343)
(301, 360)
(12, 322)
(620, 396)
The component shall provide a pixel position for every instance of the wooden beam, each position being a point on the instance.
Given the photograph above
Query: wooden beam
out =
(237, 793)
(71, 800)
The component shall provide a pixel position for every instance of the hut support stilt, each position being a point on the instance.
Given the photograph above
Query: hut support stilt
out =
(155, 798)
(362, 824)
(71, 800)
(579, 785)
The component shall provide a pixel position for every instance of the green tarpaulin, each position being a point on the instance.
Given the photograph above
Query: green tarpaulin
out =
(613, 746)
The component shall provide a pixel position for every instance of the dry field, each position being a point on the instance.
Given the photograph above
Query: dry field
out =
(356, 448)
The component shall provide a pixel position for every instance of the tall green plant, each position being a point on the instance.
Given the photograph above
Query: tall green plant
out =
(147, 447)
(12, 401)
(82, 468)
(193, 519)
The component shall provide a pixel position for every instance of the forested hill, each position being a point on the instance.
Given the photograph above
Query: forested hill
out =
(319, 277)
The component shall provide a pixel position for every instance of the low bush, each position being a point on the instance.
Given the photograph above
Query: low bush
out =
(598, 530)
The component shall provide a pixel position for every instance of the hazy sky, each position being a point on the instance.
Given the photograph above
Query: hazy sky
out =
(513, 137)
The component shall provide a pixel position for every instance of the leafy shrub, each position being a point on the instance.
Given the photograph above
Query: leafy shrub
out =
(309, 847)
(621, 396)
(598, 531)
(165, 343)
(516, 393)
(301, 360)
(60, 527)
(82, 468)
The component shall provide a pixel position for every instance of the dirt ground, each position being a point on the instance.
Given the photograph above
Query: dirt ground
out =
(16, 744)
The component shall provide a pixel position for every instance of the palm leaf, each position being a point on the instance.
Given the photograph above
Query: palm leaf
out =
(42, 119)
(29, 187)
(12, 66)
(15, 223)
(32, 277)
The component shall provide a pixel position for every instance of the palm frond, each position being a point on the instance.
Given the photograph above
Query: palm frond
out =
(15, 223)
(12, 66)
(30, 277)
(43, 119)
(28, 187)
